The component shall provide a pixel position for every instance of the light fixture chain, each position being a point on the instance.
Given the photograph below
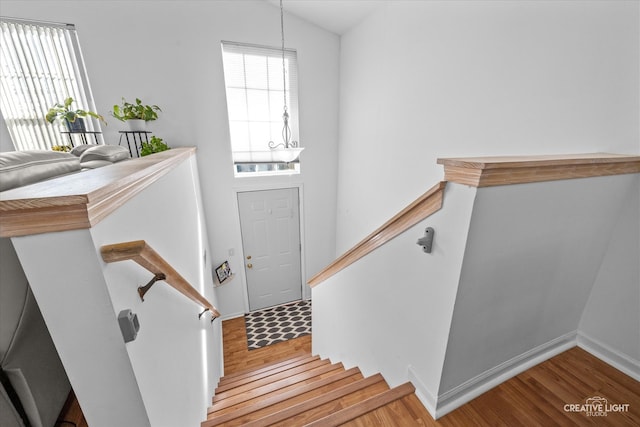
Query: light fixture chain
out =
(286, 130)
(284, 78)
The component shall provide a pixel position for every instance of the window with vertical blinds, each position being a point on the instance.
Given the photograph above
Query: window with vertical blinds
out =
(255, 103)
(40, 65)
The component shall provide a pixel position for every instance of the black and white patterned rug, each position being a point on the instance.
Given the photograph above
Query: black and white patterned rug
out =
(277, 324)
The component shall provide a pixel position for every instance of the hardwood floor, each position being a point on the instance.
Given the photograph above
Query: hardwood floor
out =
(537, 397)
(71, 414)
(238, 358)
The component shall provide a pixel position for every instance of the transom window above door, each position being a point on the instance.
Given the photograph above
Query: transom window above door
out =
(256, 93)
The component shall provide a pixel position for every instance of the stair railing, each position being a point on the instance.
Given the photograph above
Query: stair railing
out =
(421, 208)
(140, 252)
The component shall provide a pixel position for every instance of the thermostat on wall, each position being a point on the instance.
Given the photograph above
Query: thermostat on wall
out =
(129, 325)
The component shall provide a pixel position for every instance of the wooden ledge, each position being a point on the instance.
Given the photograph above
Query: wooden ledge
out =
(421, 208)
(491, 171)
(82, 199)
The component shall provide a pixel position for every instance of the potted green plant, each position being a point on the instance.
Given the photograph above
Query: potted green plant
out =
(136, 115)
(155, 145)
(73, 119)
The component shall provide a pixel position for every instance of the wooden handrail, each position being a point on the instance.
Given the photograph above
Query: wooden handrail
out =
(421, 208)
(140, 252)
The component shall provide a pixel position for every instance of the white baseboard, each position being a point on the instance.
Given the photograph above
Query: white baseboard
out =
(427, 399)
(474, 387)
(610, 356)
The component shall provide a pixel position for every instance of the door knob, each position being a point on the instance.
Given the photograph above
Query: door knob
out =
(248, 256)
(249, 265)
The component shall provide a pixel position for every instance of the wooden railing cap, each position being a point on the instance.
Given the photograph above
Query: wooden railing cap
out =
(501, 162)
(82, 199)
(505, 170)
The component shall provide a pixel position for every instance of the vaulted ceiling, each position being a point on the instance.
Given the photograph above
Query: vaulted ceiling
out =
(337, 16)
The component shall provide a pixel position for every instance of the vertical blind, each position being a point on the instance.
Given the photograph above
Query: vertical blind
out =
(40, 65)
(255, 96)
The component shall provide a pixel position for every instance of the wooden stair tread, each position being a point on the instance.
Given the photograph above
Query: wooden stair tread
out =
(271, 387)
(393, 414)
(298, 400)
(307, 406)
(365, 406)
(263, 373)
(248, 372)
(334, 405)
(270, 379)
(304, 390)
(222, 408)
(250, 408)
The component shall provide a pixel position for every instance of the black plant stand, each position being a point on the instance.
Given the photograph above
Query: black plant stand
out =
(83, 136)
(134, 136)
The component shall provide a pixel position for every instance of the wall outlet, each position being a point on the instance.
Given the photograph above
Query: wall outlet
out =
(129, 325)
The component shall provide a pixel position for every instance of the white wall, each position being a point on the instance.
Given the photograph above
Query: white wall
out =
(392, 309)
(176, 356)
(422, 80)
(166, 377)
(532, 257)
(506, 286)
(610, 324)
(65, 275)
(168, 53)
(428, 79)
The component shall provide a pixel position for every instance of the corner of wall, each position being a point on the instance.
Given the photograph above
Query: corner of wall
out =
(610, 323)
(610, 355)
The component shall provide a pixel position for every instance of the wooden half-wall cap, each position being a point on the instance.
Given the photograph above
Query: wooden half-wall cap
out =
(140, 252)
(421, 208)
(82, 199)
(492, 171)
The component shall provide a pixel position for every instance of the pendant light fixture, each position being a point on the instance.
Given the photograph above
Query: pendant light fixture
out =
(290, 149)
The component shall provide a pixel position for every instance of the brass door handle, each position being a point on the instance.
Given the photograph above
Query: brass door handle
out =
(249, 265)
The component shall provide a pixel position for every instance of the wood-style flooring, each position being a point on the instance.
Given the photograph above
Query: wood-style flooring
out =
(71, 414)
(238, 358)
(537, 397)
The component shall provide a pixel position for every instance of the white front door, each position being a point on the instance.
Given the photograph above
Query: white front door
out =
(270, 225)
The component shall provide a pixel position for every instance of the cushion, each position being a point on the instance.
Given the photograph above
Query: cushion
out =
(79, 149)
(109, 153)
(18, 168)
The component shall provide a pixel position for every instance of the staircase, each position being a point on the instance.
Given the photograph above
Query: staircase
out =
(307, 391)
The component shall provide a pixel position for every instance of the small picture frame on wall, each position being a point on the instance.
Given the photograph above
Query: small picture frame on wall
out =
(223, 272)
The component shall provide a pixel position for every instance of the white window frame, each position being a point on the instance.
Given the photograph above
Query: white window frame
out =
(250, 149)
(41, 64)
